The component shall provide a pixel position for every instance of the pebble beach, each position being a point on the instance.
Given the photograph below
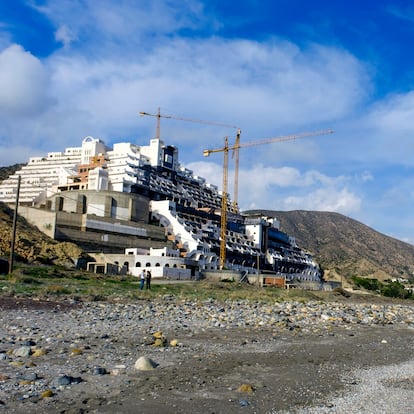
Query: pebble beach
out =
(172, 355)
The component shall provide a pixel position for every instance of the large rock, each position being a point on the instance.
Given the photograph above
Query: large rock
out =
(145, 364)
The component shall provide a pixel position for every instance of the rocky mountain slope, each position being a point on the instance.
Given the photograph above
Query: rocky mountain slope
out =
(345, 247)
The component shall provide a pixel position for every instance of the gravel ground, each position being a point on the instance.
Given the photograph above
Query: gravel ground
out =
(206, 357)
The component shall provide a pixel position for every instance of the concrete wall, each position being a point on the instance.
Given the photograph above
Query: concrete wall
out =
(103, 234)
(222, 275)
(71, 220)
(110, 242)
(117, 205)
(44, 220)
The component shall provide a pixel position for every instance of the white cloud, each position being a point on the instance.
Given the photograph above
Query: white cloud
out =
(64, 34)
(272, 188)
(184, 75)
(394, 113)
(325, 199)
(366, 176)
(24, 83)
(106, 27)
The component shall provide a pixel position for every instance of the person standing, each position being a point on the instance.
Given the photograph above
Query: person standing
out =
(142, 280)
(148, 279)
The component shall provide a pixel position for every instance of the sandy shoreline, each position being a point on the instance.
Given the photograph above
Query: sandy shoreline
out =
(314, 355)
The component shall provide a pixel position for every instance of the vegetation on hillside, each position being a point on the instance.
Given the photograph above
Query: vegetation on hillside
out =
(391, 289)
(5, 172)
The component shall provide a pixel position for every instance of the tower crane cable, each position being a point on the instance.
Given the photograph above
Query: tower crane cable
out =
(158, 115)
(236, 147)
(207, 152)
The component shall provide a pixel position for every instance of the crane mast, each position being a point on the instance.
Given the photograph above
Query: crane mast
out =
(223, 220)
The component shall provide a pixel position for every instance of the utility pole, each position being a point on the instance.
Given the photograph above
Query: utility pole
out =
(11, 261)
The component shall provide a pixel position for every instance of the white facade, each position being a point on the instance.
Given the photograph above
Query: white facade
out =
(38, 176)
(255, 230)
(41, 176)
(124, 163)
(153, 152)
(134, 261)
(98, 179)
(90, 148)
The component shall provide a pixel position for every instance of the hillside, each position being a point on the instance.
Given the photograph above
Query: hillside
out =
(5, 172)
(346, 247)
(31, 245)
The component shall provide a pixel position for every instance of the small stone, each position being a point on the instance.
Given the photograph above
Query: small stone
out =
(30, 364)
(246, 388)
(118, 370)
(145, 364)
(17, 363)
(30, 376)
(46, 394)
(75, 351)
(159, 342)
(67, 380)
(28, 343)
(23, 351)
(99, 371)
(39, 352)
(76, 380)
(158, 335)
(173, 342)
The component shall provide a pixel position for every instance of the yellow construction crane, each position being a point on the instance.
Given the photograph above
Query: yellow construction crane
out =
(158, 115)
(236, 147)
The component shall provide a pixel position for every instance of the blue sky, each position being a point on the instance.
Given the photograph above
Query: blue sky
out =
(73, 68)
